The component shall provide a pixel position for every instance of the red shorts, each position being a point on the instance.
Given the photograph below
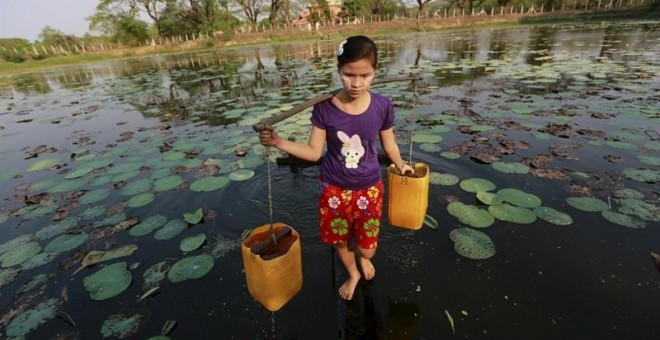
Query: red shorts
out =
(346, 214)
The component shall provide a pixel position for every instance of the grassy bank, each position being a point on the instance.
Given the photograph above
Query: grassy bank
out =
(336, 32)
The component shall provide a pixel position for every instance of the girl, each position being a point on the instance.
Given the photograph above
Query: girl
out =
(351, 187)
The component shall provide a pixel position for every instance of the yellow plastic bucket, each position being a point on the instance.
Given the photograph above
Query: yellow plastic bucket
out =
(274, 275)
(408, 196)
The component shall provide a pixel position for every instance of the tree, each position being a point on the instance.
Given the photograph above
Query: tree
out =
(51, 36)
(352, 8)
(119, 20)
(252, 9)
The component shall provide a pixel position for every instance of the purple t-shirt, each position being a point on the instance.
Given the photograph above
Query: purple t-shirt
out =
(351, 159)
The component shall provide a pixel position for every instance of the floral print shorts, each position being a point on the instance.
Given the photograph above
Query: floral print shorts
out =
(346, 214)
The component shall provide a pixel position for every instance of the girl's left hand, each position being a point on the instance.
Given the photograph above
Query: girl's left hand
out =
(406, 169)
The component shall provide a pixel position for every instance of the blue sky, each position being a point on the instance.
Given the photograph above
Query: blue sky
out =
(26, 18)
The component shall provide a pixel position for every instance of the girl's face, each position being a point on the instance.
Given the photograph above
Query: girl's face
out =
(357, 77)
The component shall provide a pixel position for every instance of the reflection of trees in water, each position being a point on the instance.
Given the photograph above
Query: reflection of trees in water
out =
(540, 46)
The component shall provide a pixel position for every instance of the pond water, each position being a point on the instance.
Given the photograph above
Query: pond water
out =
(124, 154)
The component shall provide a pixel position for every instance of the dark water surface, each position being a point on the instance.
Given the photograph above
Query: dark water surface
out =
(592, 279)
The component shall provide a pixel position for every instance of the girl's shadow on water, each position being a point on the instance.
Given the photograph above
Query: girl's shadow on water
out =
(365, 317)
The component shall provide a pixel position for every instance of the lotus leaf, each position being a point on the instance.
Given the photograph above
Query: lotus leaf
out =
(32, 318)
(191, 243)
(629, 221)
(450, 155)
(620, 145)
(65, 242)
(173, 156)
(13, 243)
(223, 246)
(472, 244)
(149, 224)
(476, 184)
(171, 229)
(8, 175)
(489, 198)
(430, 222)
(34, 211)
(78, 173)
(195, 217)
(192, 267)
(159, 337)
(241, 175)
(125, 176)
(57, 228)
(511, 167)
(18, 255)
(510, 213)
(519, 198)
(67, 186)
(642, 175)
(210, 183)
(121, 326)
(95, 256)
(250, 162)
(650, 160)
(99, 163)
(38, 260)
(92, 212)
(44, 164)
(141, 200)
(470, 214)
(192, 163)
(553, 216)
(101, 180)
(428, 147)
(111, 220)
(160, 173)
(42, 185)
(8, 275)
(136, 187)
(587, 203)
(127, 167)
(628, 193)
(94, 196)
(108, 281)
(426, 138)
(443, 178)
(34, 282)
(639, 208)
(167, 183)
(154, 274)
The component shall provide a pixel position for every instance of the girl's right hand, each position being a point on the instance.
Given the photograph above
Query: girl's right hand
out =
(268, 137)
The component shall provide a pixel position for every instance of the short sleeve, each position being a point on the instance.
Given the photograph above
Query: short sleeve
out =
(388, 114)
(317, 118)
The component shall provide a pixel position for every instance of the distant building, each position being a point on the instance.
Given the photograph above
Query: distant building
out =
(305, 18)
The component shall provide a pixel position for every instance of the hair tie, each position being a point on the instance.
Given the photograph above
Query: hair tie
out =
(340, 50)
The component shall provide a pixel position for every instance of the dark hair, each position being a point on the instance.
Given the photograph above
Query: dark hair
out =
(355, 48)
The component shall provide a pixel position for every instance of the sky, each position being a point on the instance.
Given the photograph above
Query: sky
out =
(26, 18)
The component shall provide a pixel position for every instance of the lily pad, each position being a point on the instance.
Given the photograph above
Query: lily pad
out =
(108, 282)
(94, 196)
(553, 216)
(78, 173)
(136, 187)
(167, 183)
(587, 203)
(8, 275)
(642, 175)
(149, 224)
(443, 178)
(470, 214)
(430, 222)
(427, 138)
(18, 255)
(141, 200)
(472, 244)
(632, 222)
(511, 167)
(489, 198)
(192, 267)
(645, 211)
(121, 326)
(519, 198)
(44, 164)
(510, 213)
(628, 193)
(476, 184)
(241, 175)
(154, 274)
(171, 229)
(96, 256)
(191, 243)
(66, 242)
(38, 260)
(210, 183)
(32, 318)
(194, 217)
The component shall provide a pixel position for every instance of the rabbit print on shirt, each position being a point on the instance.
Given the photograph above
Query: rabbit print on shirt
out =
(352, 149)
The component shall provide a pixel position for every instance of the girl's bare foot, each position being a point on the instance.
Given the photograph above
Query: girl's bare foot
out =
(348, 288)
(367, 268)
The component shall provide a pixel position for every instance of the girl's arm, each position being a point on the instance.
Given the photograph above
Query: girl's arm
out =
(312, 151)
(388, 142)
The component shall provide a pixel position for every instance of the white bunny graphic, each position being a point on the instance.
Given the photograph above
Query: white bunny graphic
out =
(352, 149)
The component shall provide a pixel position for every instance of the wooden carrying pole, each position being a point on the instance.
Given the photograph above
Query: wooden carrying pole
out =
(302, 106)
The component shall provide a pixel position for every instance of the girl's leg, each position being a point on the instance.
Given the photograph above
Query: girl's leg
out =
(364, 256)
(347, 257)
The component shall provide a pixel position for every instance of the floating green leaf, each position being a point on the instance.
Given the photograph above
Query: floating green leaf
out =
(18, 255)
(194, 217)
(136, 187)
(94, 196)
(154, 274)
(32, 318)
(476, 184)
(511, 167)
(108, 281)
(167, 183)
(141, 200)
(121, 326)
(443, 178)
(210, 183)
(148, 225)
(191, 243)
(645, 211)
(470, 214)
(587, 203)
(241, 175)
(510, 213)
(430, 222)
(171, 229)
(519, 198)
(78, 173)
(66, 242)
(44, 164)
(192, 267)
(632, 222)
(642, 175)
(553, 216)
(426, 138)
(8, 275)
(472, 244)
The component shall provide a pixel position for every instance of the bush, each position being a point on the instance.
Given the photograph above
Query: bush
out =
(12, 57)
